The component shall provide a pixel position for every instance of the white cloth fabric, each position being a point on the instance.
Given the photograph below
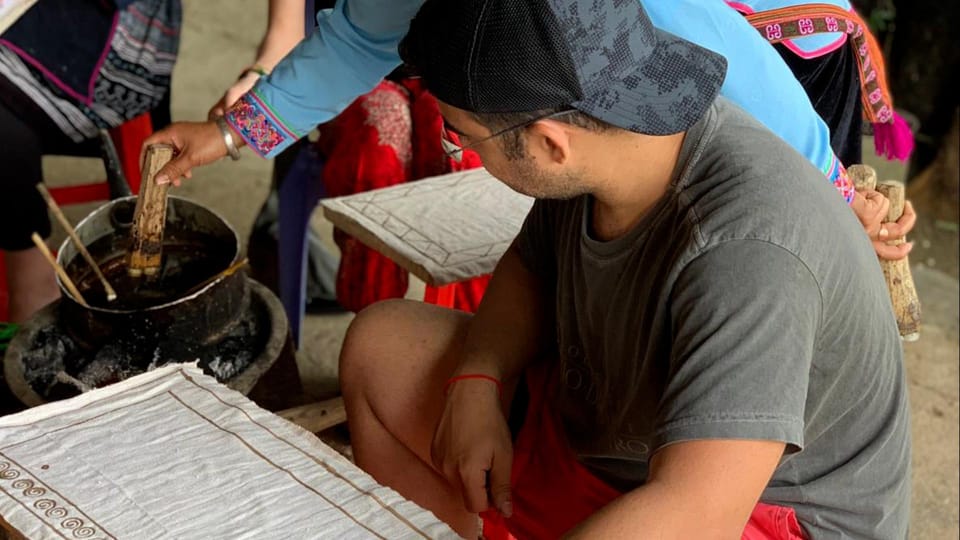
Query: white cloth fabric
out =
(174, 454)
(442, 229)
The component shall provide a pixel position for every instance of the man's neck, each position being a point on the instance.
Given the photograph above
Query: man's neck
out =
(633, 173)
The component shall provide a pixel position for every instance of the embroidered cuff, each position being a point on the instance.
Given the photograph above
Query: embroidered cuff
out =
(262, 130)
(837, 174)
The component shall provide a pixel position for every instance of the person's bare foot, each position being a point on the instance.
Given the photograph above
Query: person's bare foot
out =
(31, 283)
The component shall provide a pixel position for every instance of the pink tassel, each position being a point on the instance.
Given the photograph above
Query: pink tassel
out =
(894, 140)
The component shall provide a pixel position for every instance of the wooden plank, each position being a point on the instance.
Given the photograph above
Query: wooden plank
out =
(317, 417)
(149, 216)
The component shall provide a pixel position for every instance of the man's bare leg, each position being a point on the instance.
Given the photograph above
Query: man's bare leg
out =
(31, 283)
(394, 363)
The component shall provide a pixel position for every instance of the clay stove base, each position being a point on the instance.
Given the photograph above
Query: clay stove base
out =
(271, 379)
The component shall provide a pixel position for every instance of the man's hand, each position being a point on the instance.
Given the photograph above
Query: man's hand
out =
(472, 446)
(239, 88)
(871, 209)
(195, 144)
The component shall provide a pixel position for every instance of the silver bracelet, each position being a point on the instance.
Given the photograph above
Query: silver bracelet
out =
(227, 134)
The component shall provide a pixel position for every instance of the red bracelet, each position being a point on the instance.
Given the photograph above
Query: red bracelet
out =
(480, 376)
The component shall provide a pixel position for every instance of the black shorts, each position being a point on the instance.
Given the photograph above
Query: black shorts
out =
(27, 134)
(832, 82)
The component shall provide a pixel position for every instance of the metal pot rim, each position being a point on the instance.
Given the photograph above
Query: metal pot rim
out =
(105, 208)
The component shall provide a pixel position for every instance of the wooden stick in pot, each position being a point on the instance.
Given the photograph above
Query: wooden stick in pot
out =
(55, 209)
(149, 216)
(67, 282)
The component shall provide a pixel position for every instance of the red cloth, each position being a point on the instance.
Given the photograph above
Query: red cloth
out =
(464, 295)
(386, 137)
(552, 492)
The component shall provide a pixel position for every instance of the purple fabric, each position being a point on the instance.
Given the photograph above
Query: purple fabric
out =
(299, 193)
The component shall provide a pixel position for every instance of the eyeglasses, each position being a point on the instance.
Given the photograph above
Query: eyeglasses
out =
(455, 150)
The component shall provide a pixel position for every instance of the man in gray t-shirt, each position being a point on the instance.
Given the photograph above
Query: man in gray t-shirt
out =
(691, 335)
(746, 304)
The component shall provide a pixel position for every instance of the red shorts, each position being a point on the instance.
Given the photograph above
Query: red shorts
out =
(552, 492)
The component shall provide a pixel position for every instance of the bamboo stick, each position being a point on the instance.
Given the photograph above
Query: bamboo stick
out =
(72, 233)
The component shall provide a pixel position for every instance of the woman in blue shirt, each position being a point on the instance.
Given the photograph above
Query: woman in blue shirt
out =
(355, 45)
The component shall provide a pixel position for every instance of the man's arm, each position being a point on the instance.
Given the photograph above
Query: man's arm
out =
(352, 49)
(696, 489)
(472, 446)
(507, 331)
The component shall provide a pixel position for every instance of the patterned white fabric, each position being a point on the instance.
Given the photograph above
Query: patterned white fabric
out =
(174, 454)
(442, 229)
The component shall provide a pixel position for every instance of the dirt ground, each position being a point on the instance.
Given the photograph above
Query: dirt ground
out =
(219, 39)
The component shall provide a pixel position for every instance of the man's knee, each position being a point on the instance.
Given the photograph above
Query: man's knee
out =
(363, 344)
(385, 339)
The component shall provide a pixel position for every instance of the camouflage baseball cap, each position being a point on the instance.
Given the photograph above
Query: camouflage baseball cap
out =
(603, 57)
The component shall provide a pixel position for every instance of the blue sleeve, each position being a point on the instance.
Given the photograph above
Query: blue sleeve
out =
(758, 80)
(353, 47)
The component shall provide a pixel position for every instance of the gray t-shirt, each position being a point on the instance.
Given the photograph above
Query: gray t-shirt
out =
(746, 304)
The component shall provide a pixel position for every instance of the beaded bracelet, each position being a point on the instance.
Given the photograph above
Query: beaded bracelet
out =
(256, 68)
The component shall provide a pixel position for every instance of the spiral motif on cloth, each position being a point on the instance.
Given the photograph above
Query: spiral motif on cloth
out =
(9, 474)
(44, 504)
(35, 491)
(4, 466)
(84, 532)
(56, 512)
(23, 484)
(71, 523)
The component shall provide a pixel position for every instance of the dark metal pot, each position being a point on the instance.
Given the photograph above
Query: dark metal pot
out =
(174, 307)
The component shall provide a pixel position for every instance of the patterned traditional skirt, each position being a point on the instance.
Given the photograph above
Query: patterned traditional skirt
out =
(91, 64)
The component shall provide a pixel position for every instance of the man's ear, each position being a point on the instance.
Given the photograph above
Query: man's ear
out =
(548, 141)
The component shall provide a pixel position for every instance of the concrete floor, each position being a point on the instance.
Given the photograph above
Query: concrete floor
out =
(219, 39)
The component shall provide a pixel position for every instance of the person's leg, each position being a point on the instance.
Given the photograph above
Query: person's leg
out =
(395, 360)
(31, 282)
(27, 134)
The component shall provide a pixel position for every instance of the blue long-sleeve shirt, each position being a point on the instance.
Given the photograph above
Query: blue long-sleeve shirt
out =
(355, 46)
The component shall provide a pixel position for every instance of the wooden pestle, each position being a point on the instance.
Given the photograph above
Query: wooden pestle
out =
(863, 176)
(903, 292)
(149, 216)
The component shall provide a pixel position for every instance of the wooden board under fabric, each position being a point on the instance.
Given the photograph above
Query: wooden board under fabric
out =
(317, 417)
(150, 215)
